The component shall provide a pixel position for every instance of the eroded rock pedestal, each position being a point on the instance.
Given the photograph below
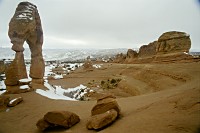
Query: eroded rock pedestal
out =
(25, 25)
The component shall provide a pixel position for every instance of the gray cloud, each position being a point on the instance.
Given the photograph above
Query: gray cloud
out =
(108, 23)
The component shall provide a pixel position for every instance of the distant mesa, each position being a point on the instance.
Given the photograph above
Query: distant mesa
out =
(171, 46)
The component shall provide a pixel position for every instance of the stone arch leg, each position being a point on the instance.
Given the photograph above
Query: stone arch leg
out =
(37, 62)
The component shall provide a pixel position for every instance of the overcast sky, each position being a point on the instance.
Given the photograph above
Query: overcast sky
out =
(108, 23)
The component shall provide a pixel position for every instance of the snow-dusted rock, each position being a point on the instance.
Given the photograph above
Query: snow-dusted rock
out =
(15, 101)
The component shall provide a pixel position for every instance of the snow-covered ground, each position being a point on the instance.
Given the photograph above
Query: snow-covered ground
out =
(58, 93)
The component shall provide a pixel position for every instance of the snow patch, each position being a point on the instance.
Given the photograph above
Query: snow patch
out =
(58, 77)
(2, 85)
(24, 87)
(97, 65)
(26, 80)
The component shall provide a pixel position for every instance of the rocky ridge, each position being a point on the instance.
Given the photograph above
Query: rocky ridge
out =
(172, 46)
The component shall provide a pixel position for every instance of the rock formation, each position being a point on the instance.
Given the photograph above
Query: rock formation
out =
(104, 112)
(52, 119)
(16, 70)
(173, 41)
(25, 25)
(171, 46)
(131, 54)
(169, 42)
(147, 50)
(119, 58)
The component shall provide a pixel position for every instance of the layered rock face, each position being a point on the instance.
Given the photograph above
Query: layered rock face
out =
(173, 42)
(169, 42)
(25, 25)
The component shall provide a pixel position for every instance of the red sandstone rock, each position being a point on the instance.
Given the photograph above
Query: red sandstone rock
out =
(25, 25)
(102, 120)
(104, 105)
(62, 118)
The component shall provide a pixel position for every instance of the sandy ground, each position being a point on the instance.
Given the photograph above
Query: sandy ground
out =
(157, 98)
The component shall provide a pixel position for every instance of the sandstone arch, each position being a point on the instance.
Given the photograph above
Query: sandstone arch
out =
(25, 25)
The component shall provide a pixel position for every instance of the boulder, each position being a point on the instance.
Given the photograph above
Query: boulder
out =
(62, 118)
(15, 101)
(105, 104)
(102, 120)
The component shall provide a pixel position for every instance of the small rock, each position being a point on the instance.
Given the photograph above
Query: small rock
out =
(101, 120)
(62, 118)
(15, 101)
